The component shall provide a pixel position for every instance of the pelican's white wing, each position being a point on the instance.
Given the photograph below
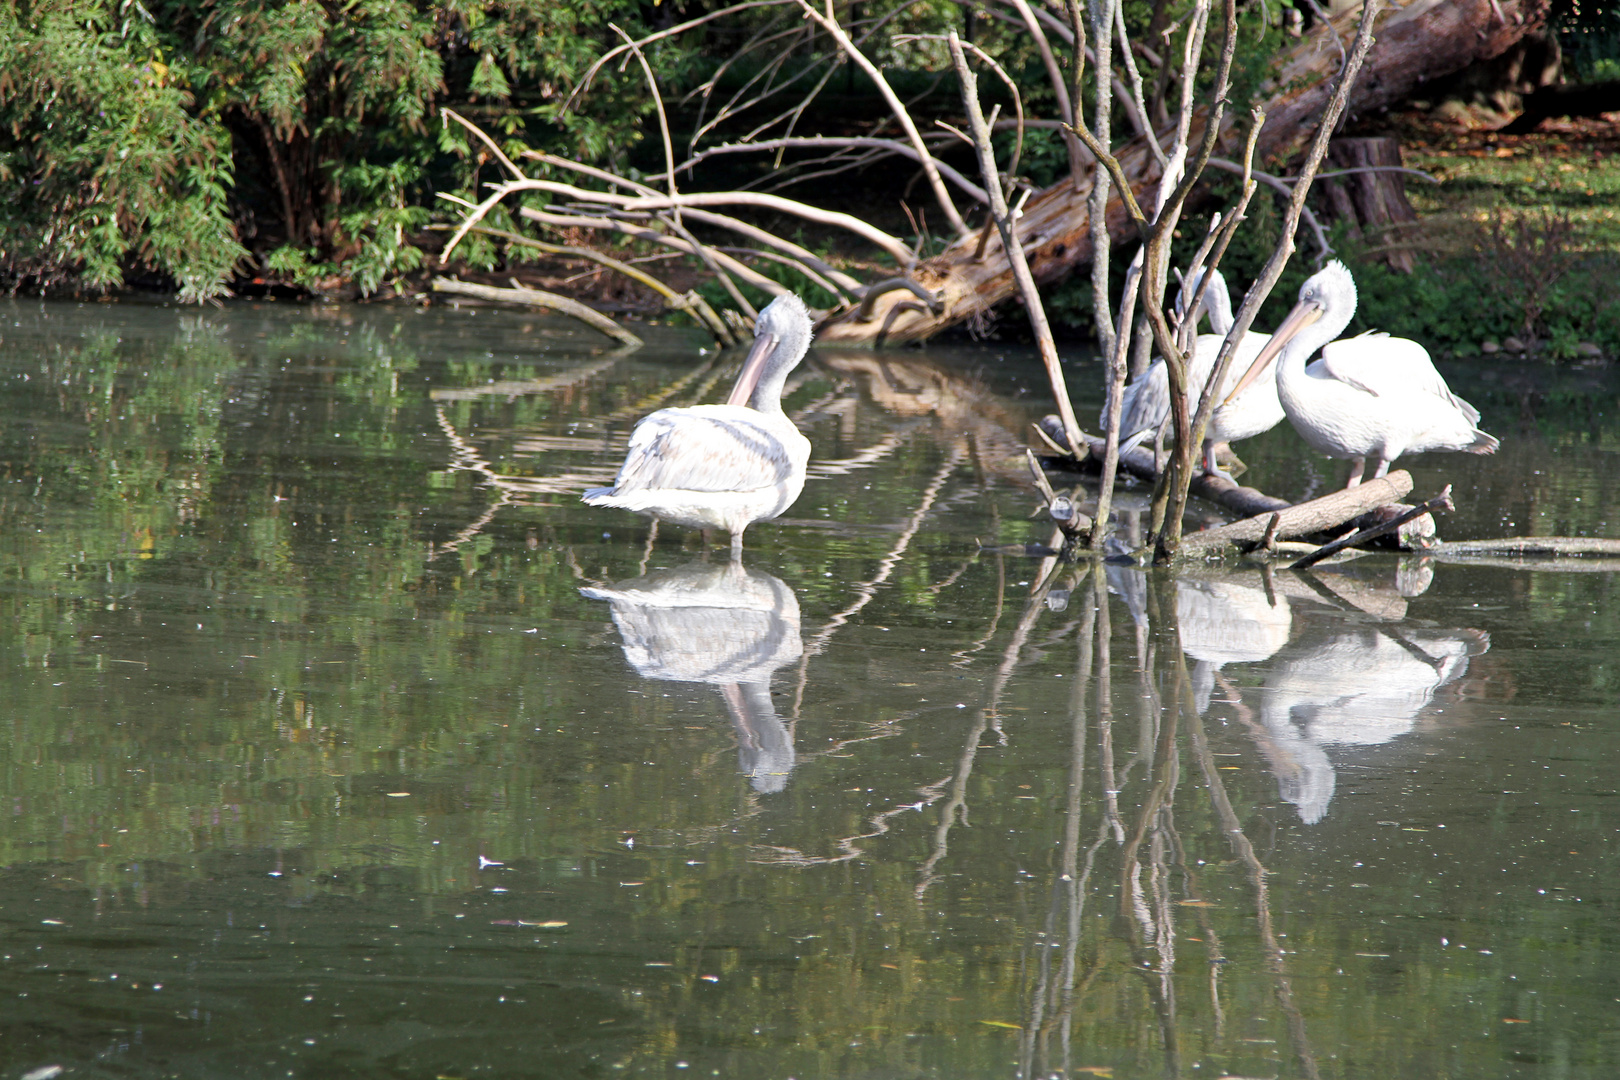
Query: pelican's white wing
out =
(1382, 365)
(705, 448)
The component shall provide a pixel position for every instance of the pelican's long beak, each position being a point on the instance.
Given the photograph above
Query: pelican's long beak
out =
(1304, 314)
(753, 367)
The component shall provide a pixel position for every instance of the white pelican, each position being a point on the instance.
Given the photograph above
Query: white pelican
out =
(724, 466)
(1368, 396)
(1146, 406)
(723, 625)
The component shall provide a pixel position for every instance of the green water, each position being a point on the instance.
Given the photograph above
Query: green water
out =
(341, 740)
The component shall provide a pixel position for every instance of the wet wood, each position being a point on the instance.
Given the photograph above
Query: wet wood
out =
(1412, 533)
(1306, 519)
(1533, 546)
(1441, 501)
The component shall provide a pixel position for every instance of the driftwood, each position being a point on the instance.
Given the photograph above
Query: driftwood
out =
(1441, 501)
(537, 298)
(1533, 546)
(1412, 533)
(1306, 519)
(1419, 42)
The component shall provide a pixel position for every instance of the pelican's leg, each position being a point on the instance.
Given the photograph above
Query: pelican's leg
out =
(1209, 463)
(1382, 470)
(736, 546)
(1357, 467)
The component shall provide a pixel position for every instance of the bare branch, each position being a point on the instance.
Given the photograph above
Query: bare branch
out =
(892, 146)
(626, 228)
(536, 298)
(1262, 286)
(606, 58)
(1015, 251)
(1282, 184)
(1140, 121)
(658, 100)
(1060, 88)
(479, 134)
(930, 167)
(650, 200)
(1012, 88)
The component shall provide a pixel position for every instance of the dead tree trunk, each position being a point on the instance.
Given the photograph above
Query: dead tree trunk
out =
(1419, 42)
(1369, 196)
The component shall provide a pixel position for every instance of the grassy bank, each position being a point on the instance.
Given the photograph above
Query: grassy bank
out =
(1517, 244)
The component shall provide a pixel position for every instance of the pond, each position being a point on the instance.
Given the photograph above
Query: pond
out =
(342, 740)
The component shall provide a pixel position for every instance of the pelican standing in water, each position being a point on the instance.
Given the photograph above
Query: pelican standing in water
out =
(724, 466)
(1146, 406)
(1371, 396)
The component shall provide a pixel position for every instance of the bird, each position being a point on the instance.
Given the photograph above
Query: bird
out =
(1370, 396)
(1146, 404)
(724, 466)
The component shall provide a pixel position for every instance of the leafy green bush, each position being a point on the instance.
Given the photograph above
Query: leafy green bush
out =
(167, 136)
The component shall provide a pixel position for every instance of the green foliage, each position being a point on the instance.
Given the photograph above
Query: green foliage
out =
(1589, 34)
(1453, 304)
(161, 137)
(104, 161)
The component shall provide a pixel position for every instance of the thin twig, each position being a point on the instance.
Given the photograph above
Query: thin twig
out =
(1015, 250)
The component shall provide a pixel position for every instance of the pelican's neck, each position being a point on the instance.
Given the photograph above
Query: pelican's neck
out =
(767, 395)
(1336, 315)
(1218, 302)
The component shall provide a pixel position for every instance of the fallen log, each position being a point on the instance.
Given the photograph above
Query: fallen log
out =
(538, 298)
(1412, 534)
(1418, 42)
(1532, 547)
(1441, 501)
(1306, 519)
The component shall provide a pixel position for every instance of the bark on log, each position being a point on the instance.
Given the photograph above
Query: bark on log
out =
(1420, 41)
(1415, 535)
(1308, 517)
(1371, 200)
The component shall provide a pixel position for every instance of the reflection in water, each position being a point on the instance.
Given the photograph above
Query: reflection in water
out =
(1347, 686)
(724, 625)
(1355, 688)
(1225, 623)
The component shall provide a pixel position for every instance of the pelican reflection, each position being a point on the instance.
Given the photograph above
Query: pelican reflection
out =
(724, 625)
(1356, 687)
(1329, 678)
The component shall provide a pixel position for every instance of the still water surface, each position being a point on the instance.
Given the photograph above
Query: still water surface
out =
(341, 740)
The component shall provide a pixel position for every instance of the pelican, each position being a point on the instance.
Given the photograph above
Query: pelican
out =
(724, 466)
(1146, 406)
(1372, 396)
